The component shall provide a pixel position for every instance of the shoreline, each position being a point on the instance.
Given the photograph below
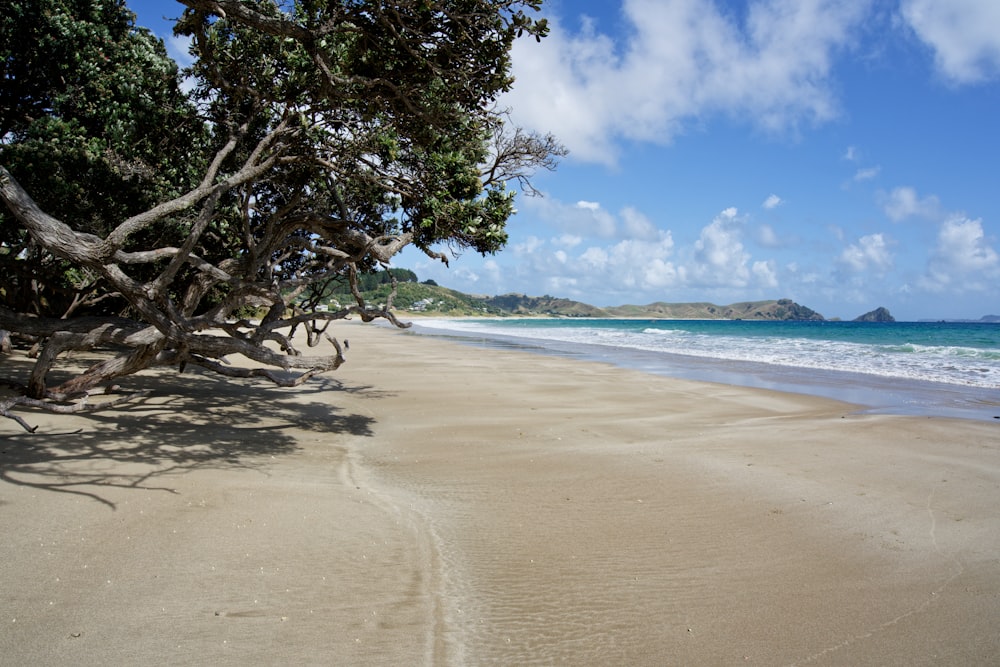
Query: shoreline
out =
(430, 503)
(873, 394)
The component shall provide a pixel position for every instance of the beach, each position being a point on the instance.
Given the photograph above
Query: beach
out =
(441, 504)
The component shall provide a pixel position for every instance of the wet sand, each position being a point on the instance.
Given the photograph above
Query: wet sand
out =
(433, 503)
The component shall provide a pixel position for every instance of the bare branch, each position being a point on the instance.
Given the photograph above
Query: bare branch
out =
(7, 404)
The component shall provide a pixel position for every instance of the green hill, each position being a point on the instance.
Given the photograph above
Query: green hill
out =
(781, 309)
(430, 299)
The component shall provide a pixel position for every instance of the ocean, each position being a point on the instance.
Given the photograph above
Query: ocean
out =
(949, 369)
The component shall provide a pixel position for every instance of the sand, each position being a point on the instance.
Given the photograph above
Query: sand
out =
(435, 503)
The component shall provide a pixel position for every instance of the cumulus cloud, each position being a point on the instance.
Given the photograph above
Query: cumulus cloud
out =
(492, 270)
(638, 258)
(870, 253)
(630, 264)
(962, 34)
(683, 58)
(584, 218)
(568, 240)
(903, 203)
(720, 259)
(963, 260)
(764, 274)
(466, 275)
(773, 201)
(529, 246)
(641, 262)
(638, 226)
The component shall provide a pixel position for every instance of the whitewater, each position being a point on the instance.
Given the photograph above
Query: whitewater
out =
(934, 368)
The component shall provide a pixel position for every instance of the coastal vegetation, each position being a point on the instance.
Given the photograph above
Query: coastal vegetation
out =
(319, 138)
(415, 297)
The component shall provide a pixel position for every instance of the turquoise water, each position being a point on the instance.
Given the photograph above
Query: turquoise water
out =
(946, 368)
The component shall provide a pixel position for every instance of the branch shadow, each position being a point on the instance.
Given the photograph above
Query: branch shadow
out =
(192, 421)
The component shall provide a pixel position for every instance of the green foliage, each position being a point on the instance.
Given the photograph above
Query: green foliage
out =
(414, 298)
(399, 113)
(92, 119)
(371, 281)
(320, 138)
(93, 124)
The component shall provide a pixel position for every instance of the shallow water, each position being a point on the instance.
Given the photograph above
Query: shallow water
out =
(932, 369)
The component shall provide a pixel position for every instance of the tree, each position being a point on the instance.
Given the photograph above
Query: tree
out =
(89, 109)
(321, 138)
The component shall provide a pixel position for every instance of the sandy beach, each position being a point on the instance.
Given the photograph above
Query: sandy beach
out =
(433, 503)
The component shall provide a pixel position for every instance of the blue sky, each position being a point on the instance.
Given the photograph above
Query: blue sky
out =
(842, 153)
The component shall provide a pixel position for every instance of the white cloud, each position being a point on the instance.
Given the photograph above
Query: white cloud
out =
(529, 246)
(492, 270)
(851, 154)
(683, 59)
(720, 259)
(766, 237)
(583, 218)
(595, 258)
(660, 274)
(466, 275)
(628, 266)
(179, 49)
(637, 226)
(587, 219)
(648, 261)
(568, 240)
(903, 203)
(963, 260)
(963, 34)
(867, 173)
(764, 274)
(869, 253)
(773, 201)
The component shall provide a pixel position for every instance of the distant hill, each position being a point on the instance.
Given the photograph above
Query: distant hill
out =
(880, 314)
(781, 309)
(432, 299)
(519, 304)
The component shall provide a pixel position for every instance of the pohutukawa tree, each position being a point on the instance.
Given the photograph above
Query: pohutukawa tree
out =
(319, 138)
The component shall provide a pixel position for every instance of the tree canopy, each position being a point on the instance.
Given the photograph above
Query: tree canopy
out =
(319, 138)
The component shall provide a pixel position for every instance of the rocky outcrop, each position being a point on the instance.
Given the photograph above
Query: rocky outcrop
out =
(880, 314)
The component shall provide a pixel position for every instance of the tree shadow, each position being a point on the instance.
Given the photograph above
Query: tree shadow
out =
(188, 422)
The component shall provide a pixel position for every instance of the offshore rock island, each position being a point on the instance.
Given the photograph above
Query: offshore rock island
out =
(877, 315)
